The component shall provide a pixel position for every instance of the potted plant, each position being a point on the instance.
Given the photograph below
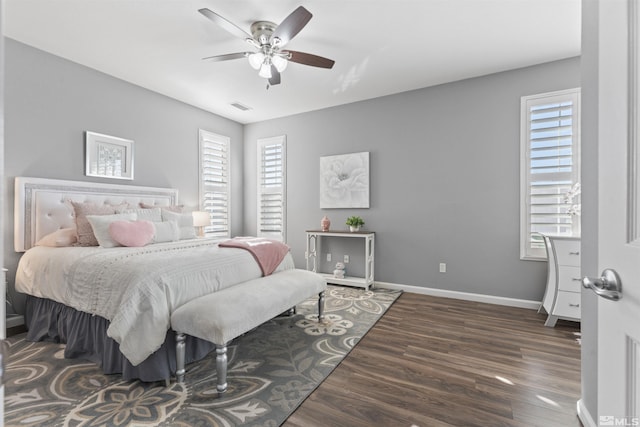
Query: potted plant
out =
(354, 223)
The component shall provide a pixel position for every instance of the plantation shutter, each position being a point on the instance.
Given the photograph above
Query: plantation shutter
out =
(214, 182)
(551, 168)
(272, 188)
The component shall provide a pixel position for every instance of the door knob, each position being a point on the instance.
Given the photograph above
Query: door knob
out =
(608, 285)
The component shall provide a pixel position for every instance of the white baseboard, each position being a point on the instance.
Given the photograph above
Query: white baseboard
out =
(585, 417)
(489, 299)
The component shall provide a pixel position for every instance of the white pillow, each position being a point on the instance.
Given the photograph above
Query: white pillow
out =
(59, 238)
(186, 230)
(166, 231)
(153, 215)
(100, 225)
(172, 208)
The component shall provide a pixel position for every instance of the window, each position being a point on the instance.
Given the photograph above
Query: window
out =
(272, 188)
(550, 169)
(214, 188)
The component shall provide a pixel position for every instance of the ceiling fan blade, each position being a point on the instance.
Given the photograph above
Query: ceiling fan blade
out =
(275, 76)
(292, 25)
(309, 59)
(224, 23)
(217, 58)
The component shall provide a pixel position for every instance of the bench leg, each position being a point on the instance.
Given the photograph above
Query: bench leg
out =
(221, 368)
(180, 355)
(321, 307)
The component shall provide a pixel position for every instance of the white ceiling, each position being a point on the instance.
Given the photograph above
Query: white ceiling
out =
(380, 47)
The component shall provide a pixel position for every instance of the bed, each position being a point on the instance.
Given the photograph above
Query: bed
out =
(112, 305)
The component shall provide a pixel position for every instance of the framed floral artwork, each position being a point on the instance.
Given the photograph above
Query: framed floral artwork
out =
(344, 181)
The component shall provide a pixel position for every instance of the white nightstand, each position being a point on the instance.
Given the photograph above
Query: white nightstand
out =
(562, 297)
(12, 319)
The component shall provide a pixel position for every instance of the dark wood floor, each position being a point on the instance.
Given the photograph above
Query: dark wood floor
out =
(442, 362)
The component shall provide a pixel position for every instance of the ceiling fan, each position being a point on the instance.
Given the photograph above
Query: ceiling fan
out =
(269, 39)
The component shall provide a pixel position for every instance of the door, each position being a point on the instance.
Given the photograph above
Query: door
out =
(619, 213)
(2, 209)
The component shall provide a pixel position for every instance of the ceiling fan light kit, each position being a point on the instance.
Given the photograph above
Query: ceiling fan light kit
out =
(265, 71)
(279, 62)
(269, 39)
(256, 60)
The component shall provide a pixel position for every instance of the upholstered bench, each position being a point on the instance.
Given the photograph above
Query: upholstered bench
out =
(222, 316)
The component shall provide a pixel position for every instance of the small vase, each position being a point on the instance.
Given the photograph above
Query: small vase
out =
(325, 223)
(354, 228)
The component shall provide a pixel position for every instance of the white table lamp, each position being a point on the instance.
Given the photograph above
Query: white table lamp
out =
(201, 219)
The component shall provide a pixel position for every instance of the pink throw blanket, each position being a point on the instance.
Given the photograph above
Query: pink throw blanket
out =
(268, 253)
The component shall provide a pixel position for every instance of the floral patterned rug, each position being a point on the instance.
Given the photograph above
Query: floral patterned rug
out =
(272, 369)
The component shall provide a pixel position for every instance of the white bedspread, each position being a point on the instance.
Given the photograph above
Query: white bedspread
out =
(136, 289)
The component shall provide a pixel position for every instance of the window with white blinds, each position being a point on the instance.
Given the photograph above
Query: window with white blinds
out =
(550, 169)
(214, 182)
(272, 188)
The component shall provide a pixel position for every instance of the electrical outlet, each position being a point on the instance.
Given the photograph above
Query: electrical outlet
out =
(346, 259)
(328, 257)
(443, 267)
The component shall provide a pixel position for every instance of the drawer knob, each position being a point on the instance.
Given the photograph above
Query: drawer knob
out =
(574, 305)
(574, 253)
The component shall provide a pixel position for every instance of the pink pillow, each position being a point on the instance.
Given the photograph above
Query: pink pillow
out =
(131, 233)
(83, 228)
(59, 238)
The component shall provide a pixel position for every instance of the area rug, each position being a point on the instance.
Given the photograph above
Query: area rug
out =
(272, 369)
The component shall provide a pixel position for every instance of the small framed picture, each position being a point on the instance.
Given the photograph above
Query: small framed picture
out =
(108, 156)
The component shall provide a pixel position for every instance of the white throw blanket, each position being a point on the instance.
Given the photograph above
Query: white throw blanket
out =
(136, 289)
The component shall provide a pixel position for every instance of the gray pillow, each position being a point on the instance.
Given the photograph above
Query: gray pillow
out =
(186, 230)
(166, 231)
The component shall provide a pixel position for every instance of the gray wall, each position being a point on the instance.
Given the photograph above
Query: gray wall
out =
(49, 104)
(444, 167)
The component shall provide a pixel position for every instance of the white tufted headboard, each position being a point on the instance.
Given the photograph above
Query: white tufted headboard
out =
(40, 207)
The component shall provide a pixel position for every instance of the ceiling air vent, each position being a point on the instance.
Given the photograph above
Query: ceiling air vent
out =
(240, 106)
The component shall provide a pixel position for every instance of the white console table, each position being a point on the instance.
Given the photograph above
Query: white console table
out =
(314, 239)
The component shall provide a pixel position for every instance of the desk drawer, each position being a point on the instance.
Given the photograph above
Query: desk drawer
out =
(569, 279)
(567, 305)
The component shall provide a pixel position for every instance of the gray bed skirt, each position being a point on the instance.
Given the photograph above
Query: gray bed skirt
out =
(86, 337)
